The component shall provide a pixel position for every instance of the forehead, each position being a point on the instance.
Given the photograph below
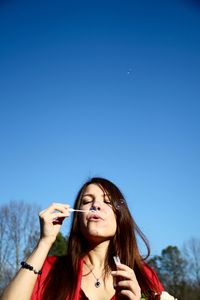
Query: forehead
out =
(94, 189)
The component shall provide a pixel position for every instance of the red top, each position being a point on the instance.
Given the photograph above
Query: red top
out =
(79, 294)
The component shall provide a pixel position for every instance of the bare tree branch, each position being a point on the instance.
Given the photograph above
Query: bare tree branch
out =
(18, 225)
(191, 250)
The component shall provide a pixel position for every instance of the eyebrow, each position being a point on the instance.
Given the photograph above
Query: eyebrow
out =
(91, 195)
(88, 195)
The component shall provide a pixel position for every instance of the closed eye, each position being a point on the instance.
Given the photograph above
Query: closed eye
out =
(107, 202)
(84, 201)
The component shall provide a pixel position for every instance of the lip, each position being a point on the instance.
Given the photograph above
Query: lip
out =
(94, 217)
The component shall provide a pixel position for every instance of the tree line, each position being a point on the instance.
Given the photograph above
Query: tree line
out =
(178, 269)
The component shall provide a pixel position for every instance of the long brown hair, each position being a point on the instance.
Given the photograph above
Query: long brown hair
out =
(62, 280)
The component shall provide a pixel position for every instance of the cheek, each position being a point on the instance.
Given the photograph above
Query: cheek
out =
(112, 222)
(115, 225)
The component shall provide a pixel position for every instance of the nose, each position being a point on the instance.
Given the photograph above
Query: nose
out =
(95, 205)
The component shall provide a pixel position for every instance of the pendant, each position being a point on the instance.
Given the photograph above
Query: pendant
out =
(97, 283)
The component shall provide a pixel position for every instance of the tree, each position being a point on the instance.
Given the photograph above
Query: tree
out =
(5, 271)
(59, 248)
(170, 267)
(18, 222)
(32, 242)
(22, 222)
(191, 251)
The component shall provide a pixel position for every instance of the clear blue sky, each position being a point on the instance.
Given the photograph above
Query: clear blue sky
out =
(106, 88)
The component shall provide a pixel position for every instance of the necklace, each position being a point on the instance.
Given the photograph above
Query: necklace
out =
(97, 283)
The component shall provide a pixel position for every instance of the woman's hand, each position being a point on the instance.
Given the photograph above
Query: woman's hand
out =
(126, 283)
(51, 220)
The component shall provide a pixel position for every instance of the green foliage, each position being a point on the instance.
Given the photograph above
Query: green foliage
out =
(171, 269)
(173, 266)
(59, 248)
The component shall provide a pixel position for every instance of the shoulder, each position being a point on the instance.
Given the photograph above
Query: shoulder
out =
(153, 277)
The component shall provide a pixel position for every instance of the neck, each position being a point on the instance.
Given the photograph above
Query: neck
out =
(96, 255)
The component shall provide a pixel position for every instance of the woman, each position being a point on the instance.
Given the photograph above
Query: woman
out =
(103, 230)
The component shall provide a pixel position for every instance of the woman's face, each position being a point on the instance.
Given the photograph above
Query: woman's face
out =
(100, 224)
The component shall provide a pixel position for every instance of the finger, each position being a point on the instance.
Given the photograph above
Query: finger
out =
(58, 206)
(127, 275)
(129, 285)
(129, 295)
(59, 215)
(121, 266)
(53, 207)
(56, 218)
(58, 221)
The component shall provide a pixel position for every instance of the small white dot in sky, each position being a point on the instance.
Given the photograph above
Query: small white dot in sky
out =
(129, 71)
